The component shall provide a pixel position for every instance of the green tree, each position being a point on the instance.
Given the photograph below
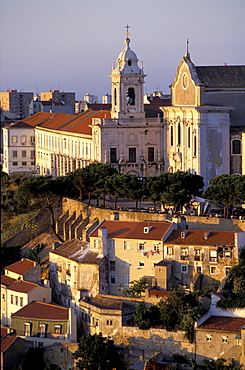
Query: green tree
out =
(92, 177)
(137, 287)
(179, 187)
(5, 180)
(114, 186)
(97, 353)
(141, 316)
(226, 190)
(153, 188)
(133, 187)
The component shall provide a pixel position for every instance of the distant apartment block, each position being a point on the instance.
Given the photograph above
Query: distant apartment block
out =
(16, 102)
(61, 98)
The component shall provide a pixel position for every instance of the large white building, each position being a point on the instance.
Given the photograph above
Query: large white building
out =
(202, 129)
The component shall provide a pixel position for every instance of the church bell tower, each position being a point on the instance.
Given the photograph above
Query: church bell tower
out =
(127, 80)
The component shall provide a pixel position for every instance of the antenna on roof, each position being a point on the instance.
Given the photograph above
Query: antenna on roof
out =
(187, 46)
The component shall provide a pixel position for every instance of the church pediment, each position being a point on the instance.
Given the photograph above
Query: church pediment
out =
(186, 87)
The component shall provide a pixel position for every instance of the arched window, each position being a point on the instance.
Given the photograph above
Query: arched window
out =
(179, 134)
(195, 146)
(189, 137)
(131, 96)
(115, 96)
(171, 135)
(236, 146)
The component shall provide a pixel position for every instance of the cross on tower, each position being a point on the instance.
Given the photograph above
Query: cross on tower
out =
(127, 28)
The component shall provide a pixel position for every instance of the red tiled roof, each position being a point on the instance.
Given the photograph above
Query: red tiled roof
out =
(134, 230)
(80, 124)
(4, 331)
(196, 237)
(22, 286)
(6, 280)
(224, 323)
(158, 293)
(19, 124)
(6, 342)
(43, 311)
(21, 266)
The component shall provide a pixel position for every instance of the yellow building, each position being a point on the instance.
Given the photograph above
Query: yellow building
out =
(16, 102)
(133, 249)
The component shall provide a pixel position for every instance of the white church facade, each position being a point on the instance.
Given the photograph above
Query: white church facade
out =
(202, 130)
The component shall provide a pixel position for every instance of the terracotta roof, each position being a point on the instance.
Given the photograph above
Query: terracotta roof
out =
(6, 342)
(19, 124)
(108, 303)
(38, 118)
(43, 311)
(22, 286)
(21, 266)
(4, 331)
(134, 229)
(6, 280)
(222, 76)
(224, 323)
(158, 293)
(78, 251)
(197, 237)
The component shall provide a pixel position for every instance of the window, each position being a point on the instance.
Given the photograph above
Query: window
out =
(15, 163)
(208, 338)
(132, 154)
(112, 265)
(156, 246)
(184, 254)
(43, 330)
(213, 256)
(189, 137)
(109, 322)
(141, 246)
(14, 153)
(23, 139)
(199, 269)
(126, 245)
(111, 243)
(23, 163)
(151, 154)
(96, 243)
(179, 133)
(57, 329)
(27, 329)
(14, 139)
(236, 146)
(130, 96)
(24, 153)
(184, 269)
(171, 135)
(224, 339)
(16, 300)
(113, 279)
(12, 299)
(115, 96)
(195, 146)
(197, 256)
(32, 153)
(141, 263)
(3, 297)
(213, 270)
(113, 155)
(126, 280)
(170, 251)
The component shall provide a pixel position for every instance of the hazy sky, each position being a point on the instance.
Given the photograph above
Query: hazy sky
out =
(70, 44)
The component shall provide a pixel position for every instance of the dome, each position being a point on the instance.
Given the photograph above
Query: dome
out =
(127, 62)
(127, 53)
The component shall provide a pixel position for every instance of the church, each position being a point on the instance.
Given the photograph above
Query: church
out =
(201, 130)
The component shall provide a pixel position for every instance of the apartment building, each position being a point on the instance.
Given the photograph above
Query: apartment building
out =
(24, 269)
(44, 323)
(16, 102)
(59, 98)
(16, 294)
(133, 249)
(202, 256)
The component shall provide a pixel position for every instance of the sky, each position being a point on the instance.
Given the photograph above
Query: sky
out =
(70, 44)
